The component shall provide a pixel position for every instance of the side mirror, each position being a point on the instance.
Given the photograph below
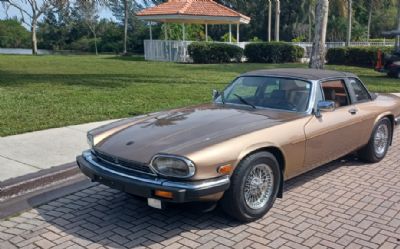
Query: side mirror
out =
(215, 94)
(325, 106)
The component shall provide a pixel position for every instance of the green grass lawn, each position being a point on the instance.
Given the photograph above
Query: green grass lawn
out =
(52, 91)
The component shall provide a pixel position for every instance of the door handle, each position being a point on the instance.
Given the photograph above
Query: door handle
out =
(353, 111)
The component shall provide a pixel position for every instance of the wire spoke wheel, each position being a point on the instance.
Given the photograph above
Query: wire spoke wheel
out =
(258, 187)
(381, 139)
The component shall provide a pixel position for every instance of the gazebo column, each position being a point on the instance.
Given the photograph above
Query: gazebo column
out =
(206, 31)
(151, 32)
(165, 31)
(237, 32)
(230, 33)
(183, 32)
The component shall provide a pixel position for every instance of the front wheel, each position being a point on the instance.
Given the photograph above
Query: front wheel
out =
(254, 187)
(379, 142)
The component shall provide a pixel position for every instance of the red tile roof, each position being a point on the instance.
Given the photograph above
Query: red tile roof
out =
(191, 7)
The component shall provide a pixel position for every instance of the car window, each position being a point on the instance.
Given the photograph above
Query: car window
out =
(361, 94)
(269, 92)
(335, 90)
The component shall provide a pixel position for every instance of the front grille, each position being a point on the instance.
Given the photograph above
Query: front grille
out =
(126, 164)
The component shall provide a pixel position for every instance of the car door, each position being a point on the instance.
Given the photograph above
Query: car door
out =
(335, 133)
(362, 101)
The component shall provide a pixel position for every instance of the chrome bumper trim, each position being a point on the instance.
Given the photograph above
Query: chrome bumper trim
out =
(195, 185)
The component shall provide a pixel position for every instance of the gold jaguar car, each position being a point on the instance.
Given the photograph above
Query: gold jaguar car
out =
(265, 127)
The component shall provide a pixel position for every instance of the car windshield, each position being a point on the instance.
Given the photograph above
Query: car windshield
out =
(268, 92)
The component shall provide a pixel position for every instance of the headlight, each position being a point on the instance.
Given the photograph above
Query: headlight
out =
(173, 166)
(90, 140)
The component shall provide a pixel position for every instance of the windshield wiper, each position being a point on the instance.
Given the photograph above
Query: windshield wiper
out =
(244, 101)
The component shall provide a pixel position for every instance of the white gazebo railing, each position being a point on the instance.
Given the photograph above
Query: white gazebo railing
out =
(174, 51)
(177, 51)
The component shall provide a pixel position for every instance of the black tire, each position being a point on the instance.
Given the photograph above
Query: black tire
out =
(233, 202)
(369, 153)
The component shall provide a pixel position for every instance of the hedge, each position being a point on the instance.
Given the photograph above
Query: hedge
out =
(273, 52)
(355, 56)
(206, 52)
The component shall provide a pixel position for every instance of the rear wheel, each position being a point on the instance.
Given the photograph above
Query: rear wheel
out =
(379, 142)
(254, 187)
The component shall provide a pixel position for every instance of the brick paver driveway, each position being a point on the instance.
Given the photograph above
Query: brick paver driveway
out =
(342, 204)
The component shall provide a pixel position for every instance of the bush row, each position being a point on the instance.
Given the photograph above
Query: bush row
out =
(205, 52)
(355, 56)
(263, 52)
(273, 52)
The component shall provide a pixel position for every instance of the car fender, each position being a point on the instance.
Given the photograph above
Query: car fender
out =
(256, 147)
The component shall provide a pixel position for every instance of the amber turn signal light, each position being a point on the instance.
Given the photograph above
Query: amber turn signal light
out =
(225, 169)
(164, 194)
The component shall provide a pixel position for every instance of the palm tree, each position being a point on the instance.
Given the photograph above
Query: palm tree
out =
(349, 21)
(126, 15)
(317, 58)
(370, 9)
(277, 18)
(398, 25)
(269, 19)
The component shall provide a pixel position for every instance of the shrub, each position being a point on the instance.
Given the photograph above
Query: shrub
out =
(205, 52)
(336, 55)
(355, 56)
(273, 52)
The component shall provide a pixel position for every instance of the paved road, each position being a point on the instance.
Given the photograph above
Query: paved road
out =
(342, 204)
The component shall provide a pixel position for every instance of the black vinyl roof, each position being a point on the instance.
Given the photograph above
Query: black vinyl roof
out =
(300, 73)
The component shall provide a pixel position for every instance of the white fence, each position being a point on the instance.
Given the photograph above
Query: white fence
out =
(177, 51)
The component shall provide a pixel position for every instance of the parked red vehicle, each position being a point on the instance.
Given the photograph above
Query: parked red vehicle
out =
(390, 63)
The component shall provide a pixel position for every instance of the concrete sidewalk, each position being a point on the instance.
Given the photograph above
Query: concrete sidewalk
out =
(30, 152)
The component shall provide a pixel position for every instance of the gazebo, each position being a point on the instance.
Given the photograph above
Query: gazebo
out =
(203, 12)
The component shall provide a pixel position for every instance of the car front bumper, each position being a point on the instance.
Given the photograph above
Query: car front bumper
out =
(145, 186)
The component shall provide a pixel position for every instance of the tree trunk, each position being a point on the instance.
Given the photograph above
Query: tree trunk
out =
(125, 26)
(269, 19)
(277, 19)
(33, 33)
(371, 4)
(95, 43)
(349, 21)
(317, 58)
(310, 22)
(398, 25)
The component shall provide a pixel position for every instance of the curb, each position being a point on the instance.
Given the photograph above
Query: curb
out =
(27, 191)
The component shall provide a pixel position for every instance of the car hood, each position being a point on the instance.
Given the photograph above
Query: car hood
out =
(183, 131)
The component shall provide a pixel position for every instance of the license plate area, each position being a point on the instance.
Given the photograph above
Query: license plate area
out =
(154, 203)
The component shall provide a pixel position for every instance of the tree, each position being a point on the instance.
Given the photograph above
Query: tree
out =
(88, 11)
(349, 21)
(398, 24)
(13, 34)
(269, 19)
(277, 18)
(126, 13)
(317, 58)
(37, 9)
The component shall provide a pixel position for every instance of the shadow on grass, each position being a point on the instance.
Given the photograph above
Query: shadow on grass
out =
(126, 58)
(93, 80)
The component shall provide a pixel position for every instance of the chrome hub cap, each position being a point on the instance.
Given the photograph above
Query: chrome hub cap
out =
(381, 139)
(258, 186)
